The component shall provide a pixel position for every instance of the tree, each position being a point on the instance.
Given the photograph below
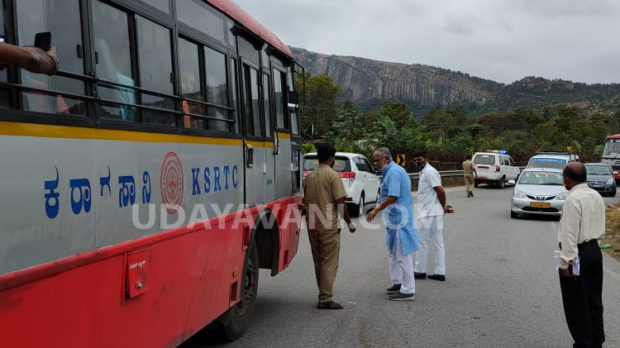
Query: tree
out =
(400, 113)
(321, 107)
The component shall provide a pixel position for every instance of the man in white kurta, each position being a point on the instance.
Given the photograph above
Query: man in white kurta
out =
(431, 209)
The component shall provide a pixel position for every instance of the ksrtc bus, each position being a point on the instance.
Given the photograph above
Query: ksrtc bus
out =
(611, 154)
(144, 185)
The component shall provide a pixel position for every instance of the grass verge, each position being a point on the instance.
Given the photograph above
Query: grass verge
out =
(612, 231)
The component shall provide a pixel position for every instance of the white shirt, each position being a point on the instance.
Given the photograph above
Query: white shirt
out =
(428, 202)
(583, 219)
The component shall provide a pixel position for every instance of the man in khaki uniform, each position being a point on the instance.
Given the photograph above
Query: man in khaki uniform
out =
(324, 196)
(468, 173)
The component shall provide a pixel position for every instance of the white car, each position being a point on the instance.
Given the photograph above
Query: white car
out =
(539, 191)
(494, 168)
(358, 177)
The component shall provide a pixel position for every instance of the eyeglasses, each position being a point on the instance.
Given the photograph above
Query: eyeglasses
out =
(374, 160)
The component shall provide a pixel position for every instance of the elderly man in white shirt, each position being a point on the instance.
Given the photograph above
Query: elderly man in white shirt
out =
(581, 262)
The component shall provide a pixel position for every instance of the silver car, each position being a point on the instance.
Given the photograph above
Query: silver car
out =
(539, 191)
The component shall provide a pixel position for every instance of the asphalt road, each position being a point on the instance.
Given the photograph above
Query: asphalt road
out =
(501, 290)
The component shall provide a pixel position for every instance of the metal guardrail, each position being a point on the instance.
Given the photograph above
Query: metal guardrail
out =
(446, 173)
(443, 174)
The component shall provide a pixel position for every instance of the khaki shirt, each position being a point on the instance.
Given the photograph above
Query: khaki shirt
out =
(468, 167)
(322, 187)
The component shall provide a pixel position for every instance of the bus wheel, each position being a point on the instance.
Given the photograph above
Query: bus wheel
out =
(236, 319)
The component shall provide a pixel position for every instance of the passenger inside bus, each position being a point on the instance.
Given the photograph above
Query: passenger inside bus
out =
(106, 69)
(190, 88)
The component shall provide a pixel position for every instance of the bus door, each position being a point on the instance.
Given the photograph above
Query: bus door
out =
(293, 103)
(254, 140)
(282, 134)
(271, 145)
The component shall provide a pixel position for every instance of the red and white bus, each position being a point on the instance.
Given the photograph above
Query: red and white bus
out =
(144, 185)
(611, 154)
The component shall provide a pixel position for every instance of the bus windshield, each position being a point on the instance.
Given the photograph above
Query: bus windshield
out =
(612, 148)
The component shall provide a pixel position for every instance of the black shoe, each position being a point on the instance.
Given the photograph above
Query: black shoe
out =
(399, 296)
(329, 305)
(394, 289)
(417, 275)
(440, 277)
(471, 194)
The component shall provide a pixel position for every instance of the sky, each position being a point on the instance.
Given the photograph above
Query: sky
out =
(500, 40)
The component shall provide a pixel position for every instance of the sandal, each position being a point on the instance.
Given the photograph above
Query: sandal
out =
(329, 305)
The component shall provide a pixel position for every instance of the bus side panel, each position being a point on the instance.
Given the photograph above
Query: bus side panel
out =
(289, 221)
(187, 284)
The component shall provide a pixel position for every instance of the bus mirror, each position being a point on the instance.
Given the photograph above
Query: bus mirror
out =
(293, 97)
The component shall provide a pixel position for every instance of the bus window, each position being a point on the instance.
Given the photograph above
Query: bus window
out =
(294, 123)
(161, 5)
(252, 110)
(278, 87)
(155, 59)
(112, 47)
(267, 106)
(217, 88)
(4, 93)
(233, 88)
(202, 17)
(231, 36)
(190, 84)
(64, 22)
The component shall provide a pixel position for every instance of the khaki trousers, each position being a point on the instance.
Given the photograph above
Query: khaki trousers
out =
(469, 182)
(325, 247)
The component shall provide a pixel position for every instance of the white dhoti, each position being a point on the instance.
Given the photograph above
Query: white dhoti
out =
(430, 229)
(401, 268)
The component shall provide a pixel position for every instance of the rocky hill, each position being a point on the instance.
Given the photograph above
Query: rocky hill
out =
(369, 83)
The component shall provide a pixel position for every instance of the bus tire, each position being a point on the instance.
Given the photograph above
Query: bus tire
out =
(236, 320)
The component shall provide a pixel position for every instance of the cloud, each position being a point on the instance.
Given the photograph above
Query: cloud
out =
(503, 40)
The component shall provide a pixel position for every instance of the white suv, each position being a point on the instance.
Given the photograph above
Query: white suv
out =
(494, 168)
(361, 183)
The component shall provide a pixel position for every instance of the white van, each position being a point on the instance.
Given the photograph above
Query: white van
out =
(552, 159)
(495, 168)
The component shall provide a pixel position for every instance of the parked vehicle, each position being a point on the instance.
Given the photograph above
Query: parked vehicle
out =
(552, 159)
(538, 191)
(494, 167)
(611, 154)
(601, 178)
(360, 181)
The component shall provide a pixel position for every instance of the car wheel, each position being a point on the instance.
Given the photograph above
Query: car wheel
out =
(613, 193)
(502, 182)
(476, 182)
(513, 215)
(358, 209)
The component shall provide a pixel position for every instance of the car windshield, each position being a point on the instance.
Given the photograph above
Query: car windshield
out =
(541, 178)
(598, 170)
(484, 159)
(556, 163)
(342, 164)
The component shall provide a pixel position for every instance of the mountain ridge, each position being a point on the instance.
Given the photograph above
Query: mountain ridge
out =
(369, 83)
